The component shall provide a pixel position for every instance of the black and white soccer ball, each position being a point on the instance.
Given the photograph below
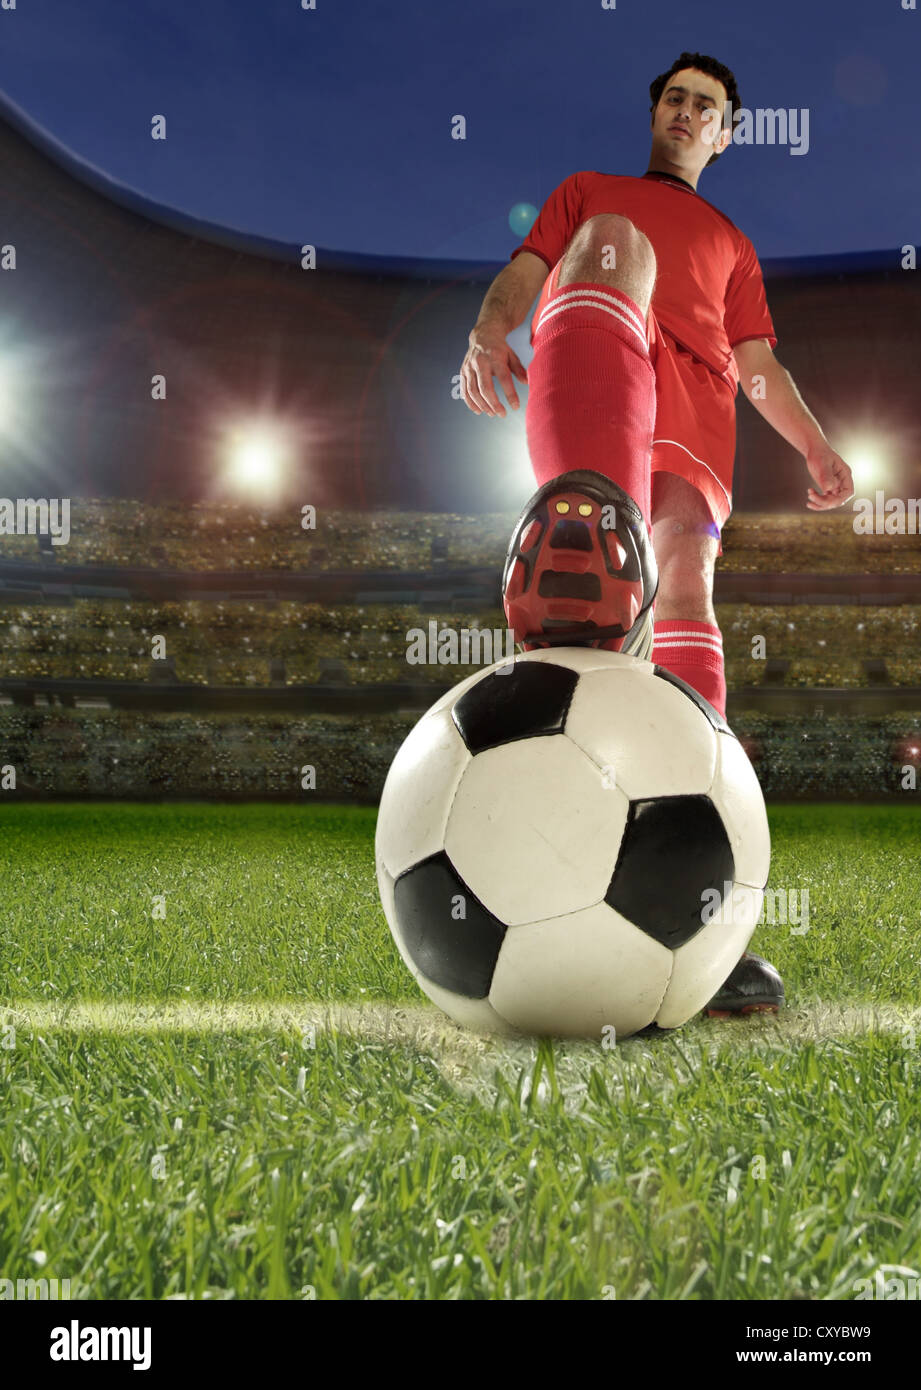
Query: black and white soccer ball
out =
(573, 844)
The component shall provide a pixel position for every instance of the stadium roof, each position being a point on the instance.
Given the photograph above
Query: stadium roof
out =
(357, 359)
(236, 239)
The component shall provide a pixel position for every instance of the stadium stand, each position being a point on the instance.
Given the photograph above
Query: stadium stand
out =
(785, 551)
(227, 643)
(116, 754)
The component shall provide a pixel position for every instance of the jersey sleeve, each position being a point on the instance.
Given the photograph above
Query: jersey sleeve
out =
(555, 223)
(746, 312)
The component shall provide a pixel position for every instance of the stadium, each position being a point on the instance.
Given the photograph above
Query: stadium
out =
(271, 486)
(263, 620)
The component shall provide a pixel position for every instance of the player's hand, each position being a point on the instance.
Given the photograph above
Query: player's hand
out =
(488, 356)
(834, 482)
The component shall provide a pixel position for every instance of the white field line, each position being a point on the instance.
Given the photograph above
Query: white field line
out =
(467, 1062)
(374, 1021)
(420, 1024)
(461, 1056)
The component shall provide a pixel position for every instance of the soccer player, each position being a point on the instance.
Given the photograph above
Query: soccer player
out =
(651, 311)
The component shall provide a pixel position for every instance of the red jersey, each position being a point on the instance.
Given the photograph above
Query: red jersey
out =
(709, 293)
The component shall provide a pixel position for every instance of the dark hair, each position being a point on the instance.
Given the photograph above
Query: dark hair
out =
(712, 68)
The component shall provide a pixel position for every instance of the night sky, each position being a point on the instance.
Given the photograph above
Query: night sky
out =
(333, 126)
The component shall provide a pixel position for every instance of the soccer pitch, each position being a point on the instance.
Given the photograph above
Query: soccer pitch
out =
(220, 1081)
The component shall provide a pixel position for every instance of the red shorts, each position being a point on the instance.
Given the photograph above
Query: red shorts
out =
(695, 433)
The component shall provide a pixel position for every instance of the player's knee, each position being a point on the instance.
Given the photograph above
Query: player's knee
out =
(685, 568)
(681, 595)
(612, 237)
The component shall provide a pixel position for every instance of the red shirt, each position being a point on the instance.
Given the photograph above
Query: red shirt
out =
(709, 294)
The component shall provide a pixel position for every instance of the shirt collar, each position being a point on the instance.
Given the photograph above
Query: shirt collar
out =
(671, 178)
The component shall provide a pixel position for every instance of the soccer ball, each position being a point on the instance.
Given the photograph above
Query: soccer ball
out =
(571, 844)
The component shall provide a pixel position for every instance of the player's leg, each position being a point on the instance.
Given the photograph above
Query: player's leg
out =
(686, 542)
(688, 643)
(591, 384)
(580, 566)
(692, 465)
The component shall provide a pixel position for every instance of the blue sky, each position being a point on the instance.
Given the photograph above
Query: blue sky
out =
(332, 125)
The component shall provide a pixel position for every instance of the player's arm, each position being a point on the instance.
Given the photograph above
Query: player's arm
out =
(772, 391)
(507, 300)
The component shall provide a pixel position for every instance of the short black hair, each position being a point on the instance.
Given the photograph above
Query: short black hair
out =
(713, 68)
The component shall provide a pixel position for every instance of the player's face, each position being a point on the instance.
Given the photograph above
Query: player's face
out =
(687, 122)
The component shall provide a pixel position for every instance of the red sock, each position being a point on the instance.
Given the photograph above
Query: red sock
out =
(694, 652)
(591, 389)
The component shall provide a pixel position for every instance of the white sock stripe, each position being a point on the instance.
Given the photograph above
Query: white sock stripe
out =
(598, 298)
(564, 296)
(611, 296)
(551, 312)
(689, 632)
(711, 646)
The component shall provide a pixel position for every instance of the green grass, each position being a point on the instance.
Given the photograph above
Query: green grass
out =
(249, 1098)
